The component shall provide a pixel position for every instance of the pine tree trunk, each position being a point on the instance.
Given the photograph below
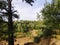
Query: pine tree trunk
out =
(10, 25)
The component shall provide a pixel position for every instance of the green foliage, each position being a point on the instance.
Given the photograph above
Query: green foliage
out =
(51, 15)
(47, 33)
(26, 26)
(3, 30)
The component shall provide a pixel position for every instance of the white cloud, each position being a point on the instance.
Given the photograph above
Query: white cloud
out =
(26, 11)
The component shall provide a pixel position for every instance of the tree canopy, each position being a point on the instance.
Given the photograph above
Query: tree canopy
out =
(51, 14)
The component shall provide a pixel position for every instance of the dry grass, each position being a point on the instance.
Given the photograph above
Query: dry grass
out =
(21, 41)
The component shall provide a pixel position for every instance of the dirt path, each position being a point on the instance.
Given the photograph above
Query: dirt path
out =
(21, 41)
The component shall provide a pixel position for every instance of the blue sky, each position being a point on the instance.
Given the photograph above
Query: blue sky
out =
(27, 12)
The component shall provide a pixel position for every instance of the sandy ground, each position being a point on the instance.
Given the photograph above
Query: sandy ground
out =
(23, 40)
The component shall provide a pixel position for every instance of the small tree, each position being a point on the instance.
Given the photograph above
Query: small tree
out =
(51, 17)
